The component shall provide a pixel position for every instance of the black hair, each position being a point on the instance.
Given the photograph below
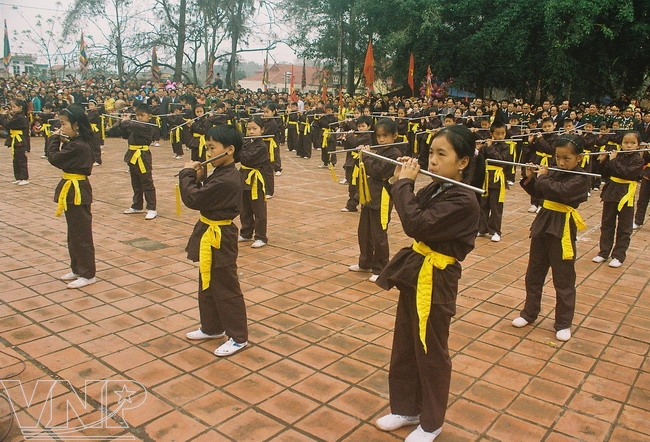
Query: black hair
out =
(220, 105)
(257, 120)
(228, 135)
(271, 106)
(450, 117)
(330, 106)
(633, 132)
(464, 143)
(570, 140)
(75, 113)
(498, 124)
(22, 104)
(364, 119)
(387, 125)
(547, 119)
(143, 108)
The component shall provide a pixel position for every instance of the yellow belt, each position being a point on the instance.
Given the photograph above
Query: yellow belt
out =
(294, 123)
(512, 145)
(307, 128)
(355, 171)
(157, 118)
(544, 156)
(254, 177)
(201, 138)
(176, 134)
(137, 156)
(384, 208)
(72, 179)
(567, 248)
(364, 188)
(46, 129)
(326, 136)
(628, 198)
(585, 158)
(425, 284)
(16, 135)
(272, 146)
(211, 238)
(103, 125)
(413, 127)
(498, 177)
(94, 127)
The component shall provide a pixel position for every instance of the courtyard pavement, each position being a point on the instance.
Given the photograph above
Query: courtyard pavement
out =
(320, 336)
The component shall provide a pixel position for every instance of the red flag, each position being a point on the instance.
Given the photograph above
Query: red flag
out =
(324, 93)
(429, 77)
(369, 68)
(292, 89)
(155, 69)
(411, 74)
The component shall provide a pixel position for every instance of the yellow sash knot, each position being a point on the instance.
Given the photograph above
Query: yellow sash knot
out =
(544, 157)
(211, 238)
(384, 207)
(567, 248)
(16, 135)
(585, 158)
(201, 138)
(628, 198)
(137, 156)
(47, 129)
(272, 146)
(254, 177)
(176, 134)
(102, 124)
(364, 188)
(326, 136)
(94, 127)
(71, 180)
(425, 284)
(499, 177)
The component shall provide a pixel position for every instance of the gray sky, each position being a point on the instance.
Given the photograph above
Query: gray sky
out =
(21, 15)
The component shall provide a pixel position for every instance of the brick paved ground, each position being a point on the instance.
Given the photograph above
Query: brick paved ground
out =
(320, 335)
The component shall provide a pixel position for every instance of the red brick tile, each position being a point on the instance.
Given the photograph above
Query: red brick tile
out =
(534, 410)
(289, 406)
(463, 411)
(549, 391)
(585, 427)
(506, 427)
(320, 387)
(174, 426)
(251, 425)
(254, 388)
(319, 424)
(182, 389)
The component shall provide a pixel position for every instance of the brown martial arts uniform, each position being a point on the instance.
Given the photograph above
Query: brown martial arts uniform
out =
(441, 218)
(218, 198)
(372, 233)
(546, 249)
(617, 196)
(495, 186)
(75, 159)
(254, 156)
(138, 158)
(17, 126)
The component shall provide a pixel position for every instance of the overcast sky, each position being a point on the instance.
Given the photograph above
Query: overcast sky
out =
(21, 14)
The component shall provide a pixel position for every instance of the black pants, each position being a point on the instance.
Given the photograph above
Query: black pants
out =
(20, 164)
(642, 202)
(610, 231)
(221, 305)
(545, 253)
(253, 215)
(419, 382)
(80, 240)
(143, 188)
(491, 213)
(373, 241)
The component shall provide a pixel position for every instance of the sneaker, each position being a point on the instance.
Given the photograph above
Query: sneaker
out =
(615, 263)
(563, 335)
(258, 243)
(343, 181)
(15, 181)
(81, 282)
(532, 208)
(95, 163)
(278, 173)
(22, 182)
(229, 347)
(511, 183)
(482, 235)
(268, 197)
(157, 144)
(495, 238)
(178, 157)
(43, 156)
(151, 214)
(598, 259)
(198, 334)
(519, 322)
(345, 209)
(588, 194)
(419, 435)
(69, 277)
(538, 209)
(131, 210)
(323, 166)
(373, 278)
(636, 226)
(392, 422)
(356, 268)
(596, 189)
(243, 239)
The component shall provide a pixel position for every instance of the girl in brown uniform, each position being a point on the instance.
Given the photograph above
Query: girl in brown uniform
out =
(17, 125)
(70, 150)
(442, 218)
(553, 234)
